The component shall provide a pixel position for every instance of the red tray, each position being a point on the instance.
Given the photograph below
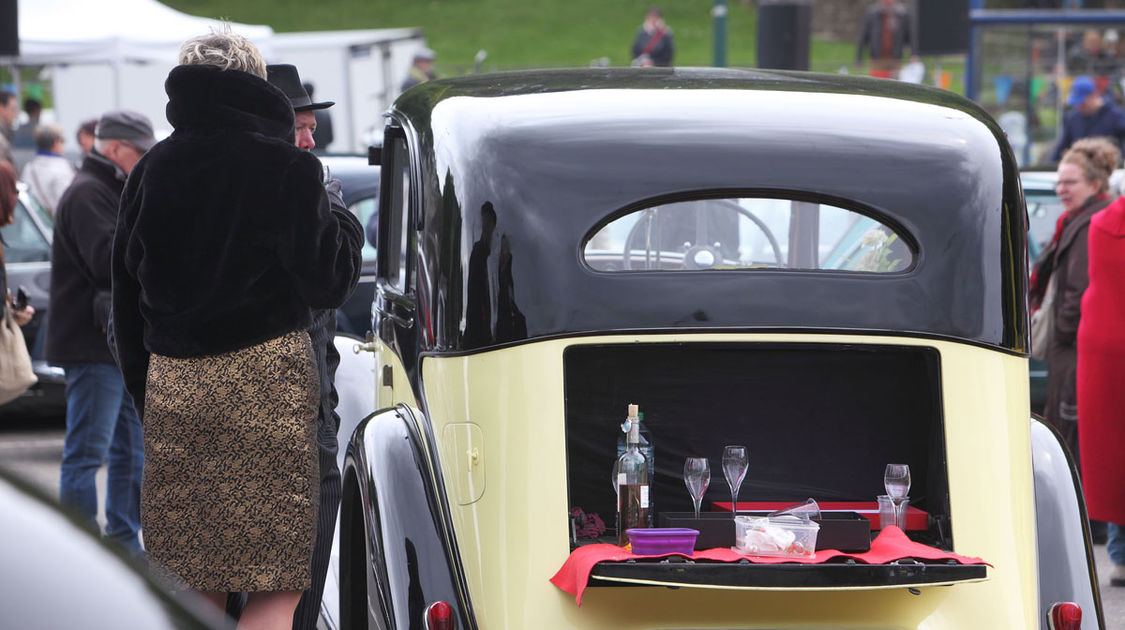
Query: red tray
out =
(915, 518)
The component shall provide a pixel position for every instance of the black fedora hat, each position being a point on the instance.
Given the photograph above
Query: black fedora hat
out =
(284, 77)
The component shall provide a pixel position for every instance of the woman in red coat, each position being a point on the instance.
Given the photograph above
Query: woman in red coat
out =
(1101, 396)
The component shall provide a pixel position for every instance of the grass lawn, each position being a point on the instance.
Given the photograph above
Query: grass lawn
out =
(526, 33)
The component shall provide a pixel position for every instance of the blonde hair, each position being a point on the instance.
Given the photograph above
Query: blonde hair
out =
(1097, 157)
(225, 49)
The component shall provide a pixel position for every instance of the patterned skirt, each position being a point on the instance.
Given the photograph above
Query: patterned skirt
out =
(231, 481)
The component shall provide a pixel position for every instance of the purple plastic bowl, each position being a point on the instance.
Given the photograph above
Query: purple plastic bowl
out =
(661, 540)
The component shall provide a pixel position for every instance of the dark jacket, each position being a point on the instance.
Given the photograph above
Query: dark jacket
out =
(661, 52)
(226, 238)
(871, 33)
(1108, 121)
(80, 264)
(1071, 279)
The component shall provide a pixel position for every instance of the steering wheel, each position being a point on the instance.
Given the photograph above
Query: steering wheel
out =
(702, 254)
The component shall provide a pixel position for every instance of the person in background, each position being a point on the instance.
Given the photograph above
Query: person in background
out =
(101, 422)
(322, 132)
(1091, 115)
(85, 135)
(9, 196)
(1101, 364)
(885, 33)
(1083, 191)
(421, 70)
(24, 135)
(322, 332)
(9, 111)
(654, 44)
(225, 245)
(48, 174)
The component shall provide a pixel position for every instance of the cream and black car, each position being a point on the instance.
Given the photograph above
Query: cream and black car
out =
(829, 270)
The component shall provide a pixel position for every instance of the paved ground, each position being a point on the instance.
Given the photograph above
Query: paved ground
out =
(34, 453)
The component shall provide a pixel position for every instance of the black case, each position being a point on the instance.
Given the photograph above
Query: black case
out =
(845, 531)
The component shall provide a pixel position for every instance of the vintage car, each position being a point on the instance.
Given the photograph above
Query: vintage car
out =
(830, 270)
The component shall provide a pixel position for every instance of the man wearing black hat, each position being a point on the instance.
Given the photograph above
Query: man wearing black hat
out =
(100, 420)
(322, 331)
(322, 135)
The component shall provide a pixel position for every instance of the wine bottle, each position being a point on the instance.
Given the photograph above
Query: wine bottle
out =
(632, 483)
(647, 446)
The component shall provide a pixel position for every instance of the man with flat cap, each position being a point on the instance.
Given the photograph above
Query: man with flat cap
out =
(100, 420)
(421, 70)
(322, 331)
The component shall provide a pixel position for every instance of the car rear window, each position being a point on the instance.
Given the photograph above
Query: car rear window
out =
(747, 233)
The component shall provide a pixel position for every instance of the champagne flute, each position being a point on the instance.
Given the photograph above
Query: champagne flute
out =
(896, 480)
(697, 476)
(735, 463)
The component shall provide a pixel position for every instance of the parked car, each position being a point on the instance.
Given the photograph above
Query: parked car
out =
(830, 270)
(27, 254)
(59, 574)
(360, 184)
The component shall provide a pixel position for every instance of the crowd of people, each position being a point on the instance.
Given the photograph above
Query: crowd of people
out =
(203, 267)
(1077, 296)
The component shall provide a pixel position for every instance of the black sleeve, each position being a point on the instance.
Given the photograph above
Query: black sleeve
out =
(864, 35)
(93, 216)
(127, 326)
(318, 244)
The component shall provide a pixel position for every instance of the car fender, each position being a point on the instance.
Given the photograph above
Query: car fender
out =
(1066, 560)
(391, 534)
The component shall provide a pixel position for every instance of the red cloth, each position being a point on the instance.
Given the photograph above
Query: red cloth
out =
(890, 545)
(887, 38)
(1101, 368)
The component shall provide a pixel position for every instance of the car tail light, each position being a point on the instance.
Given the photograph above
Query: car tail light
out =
(1064, 616)
(439, 616)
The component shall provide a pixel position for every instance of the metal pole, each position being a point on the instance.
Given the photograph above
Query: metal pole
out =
(719, 17)
(972, 63)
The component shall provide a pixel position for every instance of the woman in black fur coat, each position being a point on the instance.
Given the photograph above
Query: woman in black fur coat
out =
(224, 242)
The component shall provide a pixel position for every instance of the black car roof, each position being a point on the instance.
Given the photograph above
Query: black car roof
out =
(558, 153)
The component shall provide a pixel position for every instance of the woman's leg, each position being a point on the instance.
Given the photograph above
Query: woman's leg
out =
(269, 610)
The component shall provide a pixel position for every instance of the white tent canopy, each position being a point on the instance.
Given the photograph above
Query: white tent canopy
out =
(110, 31)
(111, 54)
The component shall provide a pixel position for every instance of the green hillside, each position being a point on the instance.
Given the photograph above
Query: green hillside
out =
(520, 33)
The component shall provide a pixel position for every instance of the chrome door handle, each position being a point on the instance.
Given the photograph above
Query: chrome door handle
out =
(366, 346)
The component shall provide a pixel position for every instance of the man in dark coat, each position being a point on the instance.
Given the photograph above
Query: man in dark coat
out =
(1091, 115)
(885, 34)
(653, 45)
(100, 419)
(322, 332)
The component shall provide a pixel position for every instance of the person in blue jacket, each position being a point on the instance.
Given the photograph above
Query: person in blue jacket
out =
(1091, 114)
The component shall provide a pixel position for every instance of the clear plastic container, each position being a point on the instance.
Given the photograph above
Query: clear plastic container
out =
(778, 536)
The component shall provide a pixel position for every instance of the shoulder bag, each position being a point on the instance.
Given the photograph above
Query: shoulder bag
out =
(16, 374)
(1043, 322)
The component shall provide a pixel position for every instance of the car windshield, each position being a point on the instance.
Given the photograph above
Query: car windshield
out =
(747, 233)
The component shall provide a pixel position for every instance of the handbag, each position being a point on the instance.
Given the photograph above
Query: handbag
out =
(16, 374)
(1043, 322)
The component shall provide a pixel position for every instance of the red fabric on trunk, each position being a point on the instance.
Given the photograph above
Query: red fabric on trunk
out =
(891, 544)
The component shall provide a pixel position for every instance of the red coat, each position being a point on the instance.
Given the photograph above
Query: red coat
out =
(1101, 368)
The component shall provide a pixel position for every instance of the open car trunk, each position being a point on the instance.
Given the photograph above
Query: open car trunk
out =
(818, 420)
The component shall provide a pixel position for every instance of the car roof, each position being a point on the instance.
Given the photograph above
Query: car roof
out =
(558, 154)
